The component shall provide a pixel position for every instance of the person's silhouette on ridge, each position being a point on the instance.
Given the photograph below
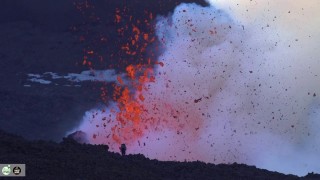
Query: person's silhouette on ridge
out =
(123, 149)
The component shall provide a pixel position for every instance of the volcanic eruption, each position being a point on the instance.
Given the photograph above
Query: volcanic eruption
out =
(226, 87)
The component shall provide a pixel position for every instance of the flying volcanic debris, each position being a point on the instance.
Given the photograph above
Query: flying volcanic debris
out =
(231, 86)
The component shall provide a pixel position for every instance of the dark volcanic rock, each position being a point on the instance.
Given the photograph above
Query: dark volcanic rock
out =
(70, 160)
(78, 136)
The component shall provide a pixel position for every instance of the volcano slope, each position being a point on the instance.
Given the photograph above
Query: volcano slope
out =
(70, 160)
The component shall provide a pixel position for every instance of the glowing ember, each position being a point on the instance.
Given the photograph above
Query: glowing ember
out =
(127, 119)
(130, 105)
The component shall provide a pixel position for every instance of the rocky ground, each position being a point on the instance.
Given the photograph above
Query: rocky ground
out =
(70, 160)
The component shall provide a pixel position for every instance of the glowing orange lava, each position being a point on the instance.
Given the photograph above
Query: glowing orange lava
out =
(129, 96)
(129, 101)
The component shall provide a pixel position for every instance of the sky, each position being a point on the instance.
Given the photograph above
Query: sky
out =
(239, 83)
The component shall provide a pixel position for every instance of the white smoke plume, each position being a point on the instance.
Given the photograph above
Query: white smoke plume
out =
(242, 79)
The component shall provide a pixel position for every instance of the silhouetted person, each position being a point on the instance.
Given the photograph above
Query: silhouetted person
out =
(123, 149)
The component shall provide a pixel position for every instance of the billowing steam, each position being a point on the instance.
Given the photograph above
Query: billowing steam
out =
(236, 86)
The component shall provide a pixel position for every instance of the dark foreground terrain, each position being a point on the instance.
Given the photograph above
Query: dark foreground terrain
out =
(70, 160)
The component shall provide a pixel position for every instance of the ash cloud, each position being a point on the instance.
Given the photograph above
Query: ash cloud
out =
(236, 87)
